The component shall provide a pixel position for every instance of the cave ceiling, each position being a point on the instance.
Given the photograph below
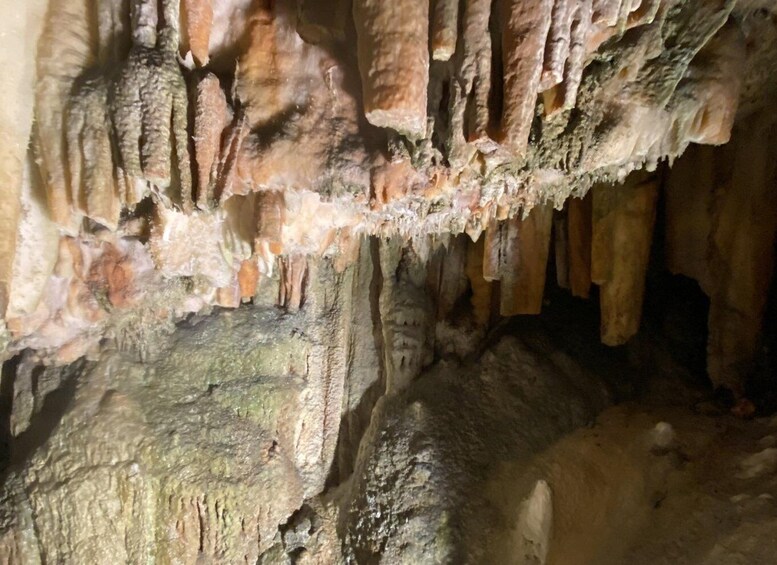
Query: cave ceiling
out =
(167, 157)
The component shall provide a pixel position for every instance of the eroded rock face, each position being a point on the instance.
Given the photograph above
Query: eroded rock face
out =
(219, 441)
(200, 452)
(429, 449)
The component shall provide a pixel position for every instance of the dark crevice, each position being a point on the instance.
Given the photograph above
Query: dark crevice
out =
(45, 421)
(7, 381)
(495, 100)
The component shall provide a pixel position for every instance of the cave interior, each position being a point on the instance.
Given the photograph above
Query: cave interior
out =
(370, 281)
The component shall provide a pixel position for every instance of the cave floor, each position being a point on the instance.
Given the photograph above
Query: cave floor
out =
(670, 478)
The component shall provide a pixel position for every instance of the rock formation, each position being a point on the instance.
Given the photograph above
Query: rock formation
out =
(234, 233)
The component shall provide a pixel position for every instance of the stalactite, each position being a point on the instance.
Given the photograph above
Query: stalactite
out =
(62, 58)
(614, 97)
(293, 273)
(557, 48)
(606, 11)
(24, 24)
(248, 279)
(623, 221)
(393, 50)
(561, 248)
(268, 242)
(573, 71)
(320, 23)
(721, 231)
(523, 283)
(447, 275)
(93, 179)
(482, 289)
(211, 118)
(150, 106)
(495, 249)
(579, 231)
(197, 18)
(445, 25)
(523, 39)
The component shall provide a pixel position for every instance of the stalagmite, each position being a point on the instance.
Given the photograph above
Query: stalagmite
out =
(623, 221)
(523, 50)
(445, 25)
(523, 282)
(393, 51)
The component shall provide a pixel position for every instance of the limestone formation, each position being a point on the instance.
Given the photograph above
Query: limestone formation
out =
(720, 231)
(523, 50)
(254, 254)
(444, 30)
(622, 230)
(197, 17)
(394, 62)
(521, 105)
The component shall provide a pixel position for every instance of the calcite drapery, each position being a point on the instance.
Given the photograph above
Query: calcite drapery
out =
(239, 161)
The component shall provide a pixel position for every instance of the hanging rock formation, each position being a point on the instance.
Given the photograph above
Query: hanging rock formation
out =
(445, 119)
